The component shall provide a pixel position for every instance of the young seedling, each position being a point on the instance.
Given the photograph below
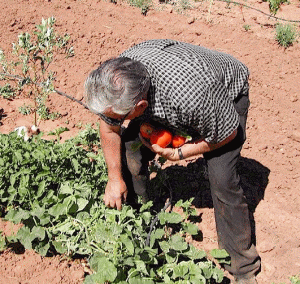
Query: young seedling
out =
(29, 71)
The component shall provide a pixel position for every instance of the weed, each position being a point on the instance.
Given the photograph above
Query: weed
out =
(247, 27)
(57, 132)
(274, 5)
(183, 5)
(286, 34)
(25, 109)
(295, 279)
(7, 91)
(144, 5)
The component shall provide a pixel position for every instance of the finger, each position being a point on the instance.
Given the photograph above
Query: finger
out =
(119, 204)
(157, 149)
(145, 142)
(125, 196)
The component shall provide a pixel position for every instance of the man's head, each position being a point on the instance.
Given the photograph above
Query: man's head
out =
(117, 86)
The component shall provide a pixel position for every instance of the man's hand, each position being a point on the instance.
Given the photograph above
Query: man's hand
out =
(115, 194)
(168, 153)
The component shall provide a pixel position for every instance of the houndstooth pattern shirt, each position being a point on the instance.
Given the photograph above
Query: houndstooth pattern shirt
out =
(192, 87)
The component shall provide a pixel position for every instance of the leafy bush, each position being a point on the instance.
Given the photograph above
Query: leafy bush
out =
(286, 34)
(55, 190)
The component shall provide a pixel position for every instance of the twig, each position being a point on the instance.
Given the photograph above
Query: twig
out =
(147, 243)
(269, 15)
(16, 77)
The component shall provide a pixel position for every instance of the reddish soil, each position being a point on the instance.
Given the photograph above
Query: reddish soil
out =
(271, 156)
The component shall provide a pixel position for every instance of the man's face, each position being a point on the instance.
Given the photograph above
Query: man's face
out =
(117, 119)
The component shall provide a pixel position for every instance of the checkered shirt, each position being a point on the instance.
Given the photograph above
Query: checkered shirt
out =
(192, 87)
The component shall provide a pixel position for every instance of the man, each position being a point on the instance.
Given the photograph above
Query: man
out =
(189, 88)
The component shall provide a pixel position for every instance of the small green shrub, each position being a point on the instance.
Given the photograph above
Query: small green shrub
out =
(144, 5)
(295, 279)
(25, 109)
(286, 34)
(7, 92)
(247, 27)
(274, 5)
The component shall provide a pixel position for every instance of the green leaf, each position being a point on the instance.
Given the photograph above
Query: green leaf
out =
(3, 245)
(219, 253)
(140, 280)
(177, 243)
(128, 243)
(180, 271)
(60, 247)
(65, 188)
(24, 235)
(165, 246)
(218, 275)
(194, 253)
(57, 210)
(42, 247)
(75, 165)
(81, 203)
(141, 266)
(17, 215)
(191, 228)
(172, 218)
(38, 232)
(41, 189)
(106, 271)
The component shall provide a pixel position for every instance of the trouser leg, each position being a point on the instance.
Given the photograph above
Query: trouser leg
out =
(230, 206)
(135, 164)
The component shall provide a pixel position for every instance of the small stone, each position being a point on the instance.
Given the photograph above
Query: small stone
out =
(191, 20)
(263, 147)
(266, 246)
(295, 136)
(294, 99)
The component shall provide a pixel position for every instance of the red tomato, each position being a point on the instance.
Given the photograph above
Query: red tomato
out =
(161, 137)
(178, 141)
(146, 130)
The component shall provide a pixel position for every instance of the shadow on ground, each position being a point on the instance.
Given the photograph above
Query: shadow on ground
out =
(191, 181)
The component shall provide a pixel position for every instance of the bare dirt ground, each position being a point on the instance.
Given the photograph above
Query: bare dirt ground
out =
(271, 157)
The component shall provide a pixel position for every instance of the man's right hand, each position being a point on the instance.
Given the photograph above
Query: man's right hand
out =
(115, 194)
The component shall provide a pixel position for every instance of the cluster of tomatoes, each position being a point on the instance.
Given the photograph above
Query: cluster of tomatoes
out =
(161, 137)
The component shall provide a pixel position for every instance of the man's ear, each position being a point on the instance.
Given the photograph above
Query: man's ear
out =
(141, 106)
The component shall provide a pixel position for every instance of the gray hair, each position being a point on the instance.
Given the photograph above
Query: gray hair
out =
(119, 83)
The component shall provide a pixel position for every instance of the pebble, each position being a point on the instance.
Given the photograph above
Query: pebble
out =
(266, 246)
(263, 147)
(191, 20)
(295, 136)
(294, 98)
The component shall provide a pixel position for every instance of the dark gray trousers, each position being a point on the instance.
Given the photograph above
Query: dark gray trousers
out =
(230, 206)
